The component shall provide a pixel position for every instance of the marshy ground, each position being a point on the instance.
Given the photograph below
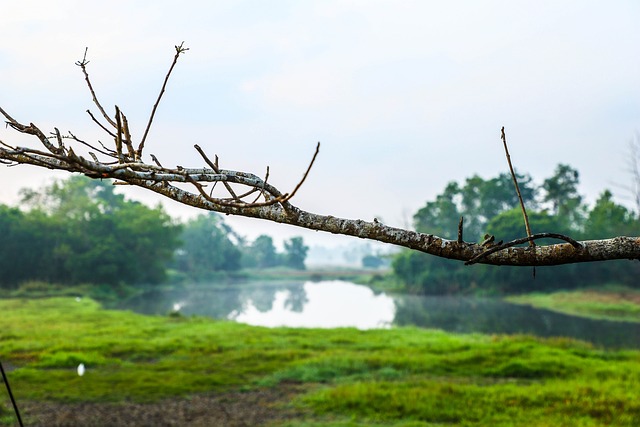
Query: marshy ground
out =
(174, 370)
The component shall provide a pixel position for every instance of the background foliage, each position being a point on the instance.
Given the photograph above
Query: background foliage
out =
(79, 230)
(490, 206)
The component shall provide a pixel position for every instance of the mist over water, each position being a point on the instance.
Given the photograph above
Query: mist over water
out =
(331, 304)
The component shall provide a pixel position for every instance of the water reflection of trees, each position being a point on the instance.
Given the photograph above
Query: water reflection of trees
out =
(217, 302)
(261, 297)
(296, 299)
(457, 314)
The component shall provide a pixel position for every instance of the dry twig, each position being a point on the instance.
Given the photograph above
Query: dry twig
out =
(515, 182)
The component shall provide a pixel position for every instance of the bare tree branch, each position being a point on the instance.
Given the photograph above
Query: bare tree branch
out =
(273, 205)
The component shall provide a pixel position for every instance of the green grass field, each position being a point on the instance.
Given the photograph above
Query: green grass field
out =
(611, 303)
(403, 377)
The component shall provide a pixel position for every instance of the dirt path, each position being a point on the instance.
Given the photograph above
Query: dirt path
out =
(238, 409)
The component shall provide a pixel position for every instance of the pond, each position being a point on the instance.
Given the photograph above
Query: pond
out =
(330, 304)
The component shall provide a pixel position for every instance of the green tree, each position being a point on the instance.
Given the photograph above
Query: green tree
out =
(23, 253)
(440, 217)
(608, 219)
(372, 261)
(478, 200)
(295, 253)
(561, 192)
(94, 235)
(206, 248)
(261, 253)
(509, 225)
(491, 206)
(498, 195)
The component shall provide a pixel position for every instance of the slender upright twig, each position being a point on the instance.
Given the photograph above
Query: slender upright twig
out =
(515, 182)
(83, 65)
(13, 401)
(460, 225)
(179, 49)
(313, 159)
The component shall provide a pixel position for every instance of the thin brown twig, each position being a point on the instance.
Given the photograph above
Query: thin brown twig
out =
(8, 117)
(119, 136)
(254, 189)
(214, 166)
(246, 193)
(83, 65)
(105, 150)
(264, 183)
(59, 139)
(460, 224)
(155, 160)
(515, 182)
(127, 136)
(105, 147)
(100, 124)
(304, 177)
(34, 130)
(179, 49)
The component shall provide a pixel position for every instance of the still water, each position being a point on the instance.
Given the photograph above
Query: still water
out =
(330, 304)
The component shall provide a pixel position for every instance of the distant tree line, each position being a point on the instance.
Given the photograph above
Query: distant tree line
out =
(209, 247)
(490, 206)
(81, 231)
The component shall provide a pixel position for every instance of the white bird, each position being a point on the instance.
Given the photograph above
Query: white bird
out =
(81, 369)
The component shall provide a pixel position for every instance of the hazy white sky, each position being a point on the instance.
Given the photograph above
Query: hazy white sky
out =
(403, 95)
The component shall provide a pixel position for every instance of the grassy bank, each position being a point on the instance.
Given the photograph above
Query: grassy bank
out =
(343, 377)
(611, 303)
(313, 274)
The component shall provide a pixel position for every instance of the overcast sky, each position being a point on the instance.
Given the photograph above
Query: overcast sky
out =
(404, 96)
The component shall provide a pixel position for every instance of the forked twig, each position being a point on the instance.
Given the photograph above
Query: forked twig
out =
(515, 182)
(214, 166)
(83, 65)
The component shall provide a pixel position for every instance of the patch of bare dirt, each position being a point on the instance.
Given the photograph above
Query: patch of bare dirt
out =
(237, 409)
